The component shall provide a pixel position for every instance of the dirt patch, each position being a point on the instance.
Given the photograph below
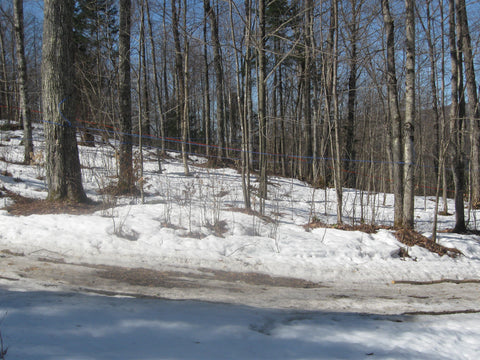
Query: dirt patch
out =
(261, 279)
(366, 228)
(174, 279)
(146, 277)
(24, 206)
(412, 238)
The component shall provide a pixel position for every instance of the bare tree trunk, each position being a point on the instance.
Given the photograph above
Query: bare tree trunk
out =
(396, 122)
(245, 172)
(350, 153)
(408, 131)
(160, 127)
(62, 164)
(307, 60)
(439, 146)
(4, 111)
(186, 109)
(474, 111)
(146, 126)
(180, 70)
(456, 126)
(206, 90)
(262, 109)
(22, 80)
(217, 65)
(126, 177)
(337, 152)
(444, 125)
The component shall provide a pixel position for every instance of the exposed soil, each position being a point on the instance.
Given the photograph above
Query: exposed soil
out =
(366, 228)
(411, 238)
(172, 279)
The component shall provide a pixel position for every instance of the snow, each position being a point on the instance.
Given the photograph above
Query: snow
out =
(42, 325)
(179, 227)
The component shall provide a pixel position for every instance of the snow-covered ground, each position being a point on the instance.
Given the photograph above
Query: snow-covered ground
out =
(42, 325)
(193, 222)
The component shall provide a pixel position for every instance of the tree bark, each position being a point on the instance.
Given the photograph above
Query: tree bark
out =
(22, 80)
(5, 99)
(160, 126)
(126, 178)
(206, 90)
(473, 109)
(350, 153)
(62, 161)
(458, 164)
(336, 114)
(395, 119)
(262, 110)
(408, 131)
(217, 65)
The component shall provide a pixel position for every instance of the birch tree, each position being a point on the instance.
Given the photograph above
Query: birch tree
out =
(409, 160)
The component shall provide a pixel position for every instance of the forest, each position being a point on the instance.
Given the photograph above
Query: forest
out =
(379, 96)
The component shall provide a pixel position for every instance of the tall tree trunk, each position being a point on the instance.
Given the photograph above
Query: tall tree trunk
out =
(408, 131)
(217, 65)
(180, 72)
(439, 146)
(146, 127)
(160, 125)
(241, 105)
(307, 90)
(126, 177)
(62, 164)
(186, 101)
(206, 90)
(5, 99)
(350, 153)
(395, 119)
(22, 80)
(336, 114)
(262, 110)
(444, 124)
(473, 109)
(458, 164)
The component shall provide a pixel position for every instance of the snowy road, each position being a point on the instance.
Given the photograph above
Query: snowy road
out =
(26, 272)
(58, 326)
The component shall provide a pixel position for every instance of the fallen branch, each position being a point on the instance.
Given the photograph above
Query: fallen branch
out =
(433, 282)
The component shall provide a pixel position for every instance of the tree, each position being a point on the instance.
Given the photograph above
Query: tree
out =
(408, 131)
(394, 112)
(181, 72)
(217, 65)
(160, 125)
(126, 178)
(62, 161)
(262, 109)
(456, 123)
(474, 111)
(22, 79)
(354, 31)
(5, 110)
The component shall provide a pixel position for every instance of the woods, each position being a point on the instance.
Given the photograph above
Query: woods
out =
(377, 96)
